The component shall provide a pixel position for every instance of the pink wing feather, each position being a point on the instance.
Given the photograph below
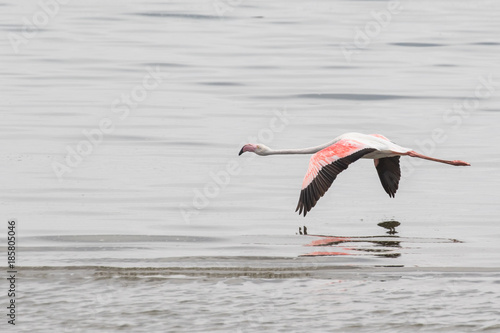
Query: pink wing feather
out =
(324, 167)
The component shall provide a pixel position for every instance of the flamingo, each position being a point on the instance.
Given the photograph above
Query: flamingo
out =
(333, 157)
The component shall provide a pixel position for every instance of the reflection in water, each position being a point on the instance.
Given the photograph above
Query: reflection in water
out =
(305, 231)
(380, 246)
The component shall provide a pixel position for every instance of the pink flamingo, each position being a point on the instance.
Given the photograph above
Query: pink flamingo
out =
(333, 157)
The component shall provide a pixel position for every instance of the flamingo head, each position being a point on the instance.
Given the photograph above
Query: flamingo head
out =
(258, 149)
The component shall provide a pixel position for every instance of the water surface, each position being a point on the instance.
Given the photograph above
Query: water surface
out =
(162, 227)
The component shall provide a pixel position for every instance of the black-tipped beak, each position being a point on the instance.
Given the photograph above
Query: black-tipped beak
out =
(241, 152)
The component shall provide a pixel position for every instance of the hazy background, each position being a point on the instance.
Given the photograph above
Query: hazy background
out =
(289, 74)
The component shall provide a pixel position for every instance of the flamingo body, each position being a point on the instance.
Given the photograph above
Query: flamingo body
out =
(330, 159)
(326, 164)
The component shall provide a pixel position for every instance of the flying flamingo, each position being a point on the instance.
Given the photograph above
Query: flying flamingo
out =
(333, 157)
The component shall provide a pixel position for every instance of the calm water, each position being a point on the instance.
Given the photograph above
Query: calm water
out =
(159, 226)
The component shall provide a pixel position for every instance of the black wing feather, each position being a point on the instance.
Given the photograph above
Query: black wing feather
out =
(389, 173)
(310, 195)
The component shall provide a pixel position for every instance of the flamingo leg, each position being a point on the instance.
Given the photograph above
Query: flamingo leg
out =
(455, 162)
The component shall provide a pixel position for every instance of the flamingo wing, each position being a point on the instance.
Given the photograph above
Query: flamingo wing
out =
(324, 167)
(389, 173)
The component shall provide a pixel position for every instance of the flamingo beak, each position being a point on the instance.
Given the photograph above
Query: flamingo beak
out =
(247, 147)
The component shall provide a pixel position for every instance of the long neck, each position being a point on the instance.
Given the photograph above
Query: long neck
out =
(310, 150)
